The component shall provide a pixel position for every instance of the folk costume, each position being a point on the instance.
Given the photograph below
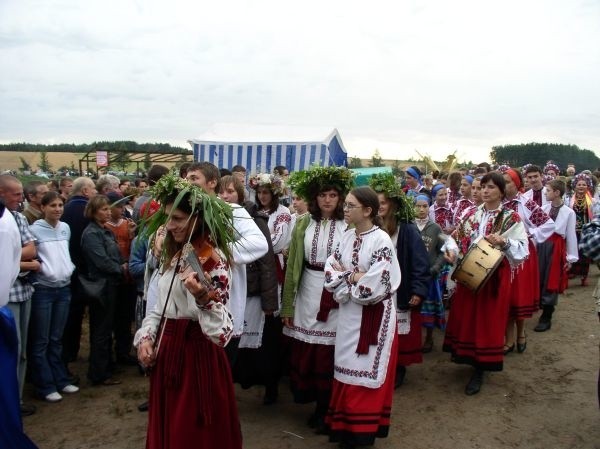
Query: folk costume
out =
(539, 227)
(365, 353)
(313, 309)
(582, 206)
(476, 323)
(192, 401)
(562, 249)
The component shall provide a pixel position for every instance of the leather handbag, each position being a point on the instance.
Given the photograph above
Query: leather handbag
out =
(94, 289)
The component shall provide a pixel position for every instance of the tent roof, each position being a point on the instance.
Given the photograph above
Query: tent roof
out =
(240, 133)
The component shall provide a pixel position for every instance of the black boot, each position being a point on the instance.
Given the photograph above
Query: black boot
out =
(400, 375)
(271, 394)
(545, 322)
(475, 382)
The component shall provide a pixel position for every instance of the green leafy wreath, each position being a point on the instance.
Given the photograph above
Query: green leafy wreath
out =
(386, 183)
(308, 183)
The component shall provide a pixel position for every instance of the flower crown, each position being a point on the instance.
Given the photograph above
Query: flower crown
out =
(583, 177)
(217, 215)
(272, 181)
(386, 183)
(308, 183)
(551, 166)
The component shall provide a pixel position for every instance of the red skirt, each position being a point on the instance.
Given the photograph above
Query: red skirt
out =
(558, 279)
(410, 346)
(311, 371)
(357, 415)
(476, 324)
(525, 287)
(192, 401)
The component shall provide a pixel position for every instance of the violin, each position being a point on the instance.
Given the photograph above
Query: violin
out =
(199, 256)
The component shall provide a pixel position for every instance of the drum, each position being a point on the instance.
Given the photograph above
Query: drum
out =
(478, 265)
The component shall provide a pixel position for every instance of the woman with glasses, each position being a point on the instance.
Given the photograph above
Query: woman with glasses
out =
(363, 274)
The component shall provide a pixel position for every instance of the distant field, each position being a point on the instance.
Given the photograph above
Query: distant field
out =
(10, 160)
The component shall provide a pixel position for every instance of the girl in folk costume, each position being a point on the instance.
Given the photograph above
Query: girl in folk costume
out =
(440, 212)
(257, 359)
(441, 249)
(412, 177)
(525, 287)
(477, 322)
(582, 203)
(363, 274)
(454, 193)
(396, 211)
(466, 201)
(308, 310)
(560, 252)
(551, 171)
(192, 401)
(269, 189)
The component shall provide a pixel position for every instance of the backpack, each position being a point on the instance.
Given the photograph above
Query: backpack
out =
(589, 243)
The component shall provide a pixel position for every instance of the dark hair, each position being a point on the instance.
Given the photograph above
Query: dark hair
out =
(367, 197)
(183, 169)
(279, 169)
(210, 172)
(224, 172)
(479, 171)
(496, 178)
(52, 184)
(315, 211)
(51, 196)
(237, 185)
(94, 205)
(238, 168)
(390, 223)
(138, 181)
(274, 199)
(455, 179)
(155, 173)
(123, 181)
(557, 184)
(65, 180)
(533, 169)
(485, 165)
(184, 205)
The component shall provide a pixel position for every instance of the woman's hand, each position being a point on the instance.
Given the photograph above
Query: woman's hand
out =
(196, 288)
(288, 321)
(415, 300)
(145, 353)
(496, 240)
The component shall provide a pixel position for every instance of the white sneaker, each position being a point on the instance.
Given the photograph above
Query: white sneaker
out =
(70, 389)
(53, 397)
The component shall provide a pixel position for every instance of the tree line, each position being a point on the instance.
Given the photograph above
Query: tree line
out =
(540, 153)
(110, 146)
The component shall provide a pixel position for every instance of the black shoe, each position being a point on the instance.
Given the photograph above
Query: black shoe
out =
(521, 344)
(543, 326)
(475, 383)
(143, 407)
(400, 375)
(508, 349)
(271, 395)
(27, 409)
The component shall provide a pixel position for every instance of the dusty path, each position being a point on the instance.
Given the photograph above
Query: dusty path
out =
(545, 398)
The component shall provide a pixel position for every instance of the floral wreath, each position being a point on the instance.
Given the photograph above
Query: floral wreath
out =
(551, 166)
(582, 177)
(386, 183)
(217, 215)
(524, 168)
(308, 183)
(272, 181)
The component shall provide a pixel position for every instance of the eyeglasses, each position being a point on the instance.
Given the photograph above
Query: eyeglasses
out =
(349, 206)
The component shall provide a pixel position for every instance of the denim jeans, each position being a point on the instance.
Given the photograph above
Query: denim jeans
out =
(22, 312)
(49, 312)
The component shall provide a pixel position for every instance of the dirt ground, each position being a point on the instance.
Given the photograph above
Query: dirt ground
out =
(544, 398)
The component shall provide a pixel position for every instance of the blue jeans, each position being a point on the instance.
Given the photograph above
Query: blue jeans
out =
(49, 312)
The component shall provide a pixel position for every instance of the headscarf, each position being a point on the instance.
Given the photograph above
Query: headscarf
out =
(468, 178)
(436, 189)
(423, 197)
(414, 172)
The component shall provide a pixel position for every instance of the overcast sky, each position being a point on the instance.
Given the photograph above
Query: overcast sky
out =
(429, 75)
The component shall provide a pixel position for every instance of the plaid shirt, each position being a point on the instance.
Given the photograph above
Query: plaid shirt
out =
(22, 290)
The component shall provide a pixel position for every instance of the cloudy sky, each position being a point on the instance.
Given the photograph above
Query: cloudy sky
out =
(435, 76)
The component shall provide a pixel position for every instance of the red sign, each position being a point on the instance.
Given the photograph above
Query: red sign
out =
(101, 158)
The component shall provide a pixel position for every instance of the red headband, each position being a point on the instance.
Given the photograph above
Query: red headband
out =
(515, 178)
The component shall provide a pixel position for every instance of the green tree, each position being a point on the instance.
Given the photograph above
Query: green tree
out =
(121, 159)
(355, 162)
(44, 164)
(396, 169)
(25, 166)
(376, 160)
(147, 161)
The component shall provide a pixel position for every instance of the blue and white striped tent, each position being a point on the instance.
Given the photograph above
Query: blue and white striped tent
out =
(262, 156)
